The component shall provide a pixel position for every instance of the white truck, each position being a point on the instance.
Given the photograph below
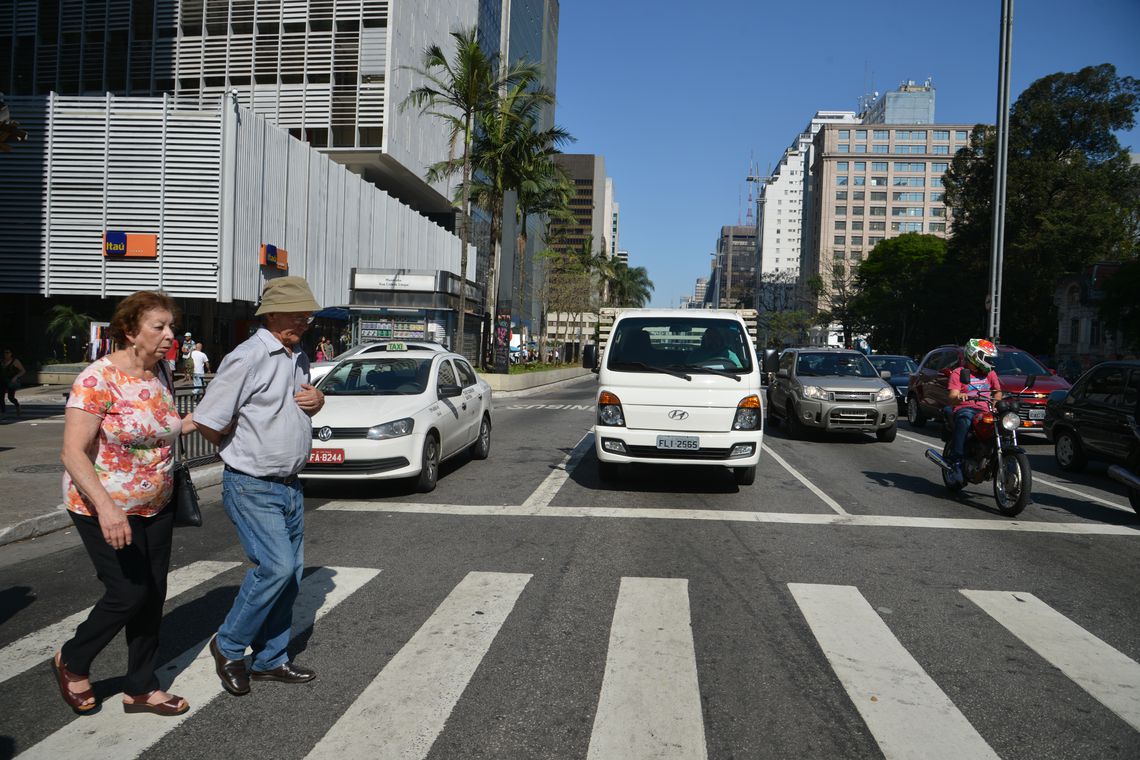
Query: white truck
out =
(678, 386)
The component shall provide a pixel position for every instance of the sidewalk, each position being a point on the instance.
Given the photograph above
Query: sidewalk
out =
(31, 473)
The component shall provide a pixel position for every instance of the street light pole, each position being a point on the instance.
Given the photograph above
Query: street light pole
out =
(1001, 164)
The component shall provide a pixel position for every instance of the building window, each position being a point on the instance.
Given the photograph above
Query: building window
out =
(841, 211)
(941, 134)
(860, 148)
(961, 134)
(878, 211)
(857, 210)
(857, 240)
(841, 179)
(937, 226)
(840, 239)
(840, 225)
(857, 195)
(878, 166)
(908, 197)
(878, 196)
(938, 211)
(878, 181)
(906, 226)
(856, 256)
(841, 166)
(911, 166)
(906, 211)
(874, 240)
(839, 255)
(941, 150)
(856, 226)
(1074, 331)
(939, 166)
(936, 182)
(877, 226)
(1095, 334)
(860, 134)
(908, 181)
(860, 166)
(845, 134)
(880, 148)
(844, 148)
(840, 195)
(913, 134)
(881, 134)
(860, 180)
(937, 197)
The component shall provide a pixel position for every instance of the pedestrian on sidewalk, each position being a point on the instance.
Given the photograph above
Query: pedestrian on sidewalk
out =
(262, 395)
(120, 426)
(201, 365)
(11, 370)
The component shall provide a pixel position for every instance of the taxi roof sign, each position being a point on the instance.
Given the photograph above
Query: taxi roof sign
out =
(396, 346)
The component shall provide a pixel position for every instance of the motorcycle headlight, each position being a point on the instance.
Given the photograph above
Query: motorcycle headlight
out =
(394, 429)
(886, 393)
(814, 391)
(1010, 421)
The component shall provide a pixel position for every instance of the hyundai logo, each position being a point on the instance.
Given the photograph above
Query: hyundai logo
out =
(678, 414)
(325, 433)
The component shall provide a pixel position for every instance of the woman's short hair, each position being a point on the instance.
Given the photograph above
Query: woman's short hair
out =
(130, 310)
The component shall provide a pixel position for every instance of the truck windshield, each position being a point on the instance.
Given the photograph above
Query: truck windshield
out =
(681, 343)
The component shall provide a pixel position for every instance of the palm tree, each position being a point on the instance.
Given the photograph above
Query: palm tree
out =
(63, 322)
(457, 92)
(629, 286)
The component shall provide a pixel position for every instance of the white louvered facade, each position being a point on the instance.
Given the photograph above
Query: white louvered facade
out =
(213, 186)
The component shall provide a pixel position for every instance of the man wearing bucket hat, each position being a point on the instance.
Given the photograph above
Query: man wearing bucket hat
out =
(257, 412)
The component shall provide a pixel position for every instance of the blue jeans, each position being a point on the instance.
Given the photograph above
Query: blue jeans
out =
(963, 418)
(270, 522)
(199, 384)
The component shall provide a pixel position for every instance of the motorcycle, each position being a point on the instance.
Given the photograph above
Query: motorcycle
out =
(991, 452)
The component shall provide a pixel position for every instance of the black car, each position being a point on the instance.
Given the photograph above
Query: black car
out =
(901, 368)
(1098, 419)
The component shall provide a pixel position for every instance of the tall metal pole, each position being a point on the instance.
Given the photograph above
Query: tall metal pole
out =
(1001, 163)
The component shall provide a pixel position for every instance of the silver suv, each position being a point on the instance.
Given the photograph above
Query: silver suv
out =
(831, 390)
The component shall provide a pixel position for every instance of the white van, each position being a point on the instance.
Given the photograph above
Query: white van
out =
(679, 386)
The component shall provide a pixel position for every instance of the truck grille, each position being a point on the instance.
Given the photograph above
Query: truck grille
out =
(652, 452)
(860, 397)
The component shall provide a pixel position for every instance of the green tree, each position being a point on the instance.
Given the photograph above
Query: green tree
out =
(629, 286)
(1120, 309)
(1072, 197)
(545, 191)
(458, 91)
(837, 298)
(63, 322)
(893, 283)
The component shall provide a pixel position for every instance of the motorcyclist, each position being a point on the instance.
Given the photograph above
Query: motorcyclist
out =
(970, 399)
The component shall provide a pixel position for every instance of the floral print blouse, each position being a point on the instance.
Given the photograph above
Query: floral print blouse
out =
(134, 451)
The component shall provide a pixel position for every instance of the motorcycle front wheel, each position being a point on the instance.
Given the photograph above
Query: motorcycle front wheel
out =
(1013, 483)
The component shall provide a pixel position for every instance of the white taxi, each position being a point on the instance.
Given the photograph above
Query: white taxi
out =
(398, 413)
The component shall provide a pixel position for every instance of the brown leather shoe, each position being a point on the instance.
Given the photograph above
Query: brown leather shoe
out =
(176, 705)
(79, 701)
(234, 675)
(287, 673)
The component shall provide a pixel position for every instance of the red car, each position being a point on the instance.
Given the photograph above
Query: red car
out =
(928, 392)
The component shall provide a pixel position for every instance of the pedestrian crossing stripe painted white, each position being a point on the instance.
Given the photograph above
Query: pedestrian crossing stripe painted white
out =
(1103, 671)
(404, 709)
(549, 487)
(40, 645)
(115, 735)
(650, 702)
(728, 515)
(907, 713)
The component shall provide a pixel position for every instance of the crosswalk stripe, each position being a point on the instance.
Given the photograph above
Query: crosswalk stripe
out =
(1103, 671)
(908, 714)
(42, 644)
(650, 703)
(404, 709)
(115, 735)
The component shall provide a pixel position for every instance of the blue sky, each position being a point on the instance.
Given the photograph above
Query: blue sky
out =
(680, 96)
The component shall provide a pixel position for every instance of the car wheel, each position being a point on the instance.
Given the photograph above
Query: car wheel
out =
(481, 449)
(429, 465)
(1068, 452)
(797, 431)
(886, 435)
(914, 416)
(745, 476)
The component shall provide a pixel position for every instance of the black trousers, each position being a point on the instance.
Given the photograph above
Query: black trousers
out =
(134, 579)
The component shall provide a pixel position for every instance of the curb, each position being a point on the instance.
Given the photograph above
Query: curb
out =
(58, 518)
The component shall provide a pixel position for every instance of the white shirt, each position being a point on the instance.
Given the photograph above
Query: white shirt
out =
(199, 358)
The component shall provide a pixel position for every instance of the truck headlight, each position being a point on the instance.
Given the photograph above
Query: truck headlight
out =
(886, 393)
(394, 429)
(814, 391)
(747, 414)
(609, 410)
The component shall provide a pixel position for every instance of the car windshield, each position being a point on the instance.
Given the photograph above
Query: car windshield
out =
(681, 344)
(382, 375)
(834, 364)
(896, 365)
(1018, 363)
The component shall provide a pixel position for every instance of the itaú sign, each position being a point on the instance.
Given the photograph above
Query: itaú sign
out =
(129, 245)
(272, 256)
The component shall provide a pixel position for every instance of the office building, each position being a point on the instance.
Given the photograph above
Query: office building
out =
(588, 174)
(735, 269)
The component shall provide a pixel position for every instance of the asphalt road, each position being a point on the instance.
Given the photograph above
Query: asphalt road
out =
(841, 607)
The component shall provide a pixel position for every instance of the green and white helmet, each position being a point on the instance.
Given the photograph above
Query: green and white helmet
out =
(981, 353)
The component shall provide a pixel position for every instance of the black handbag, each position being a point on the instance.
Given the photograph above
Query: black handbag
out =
(187, 513)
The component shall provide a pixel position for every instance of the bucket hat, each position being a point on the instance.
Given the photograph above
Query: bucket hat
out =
(286, 294)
